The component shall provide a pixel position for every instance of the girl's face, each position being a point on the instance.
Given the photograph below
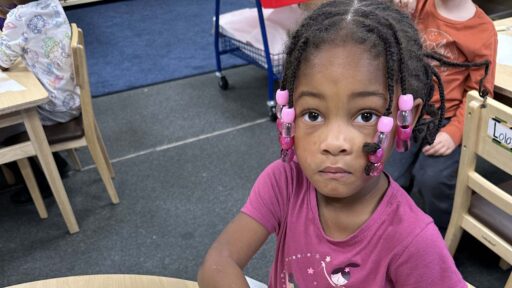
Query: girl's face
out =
(340, 92)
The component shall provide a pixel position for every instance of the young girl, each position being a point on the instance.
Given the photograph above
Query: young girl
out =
(350, 70)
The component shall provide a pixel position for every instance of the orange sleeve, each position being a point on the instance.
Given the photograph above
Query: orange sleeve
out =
(487, 51)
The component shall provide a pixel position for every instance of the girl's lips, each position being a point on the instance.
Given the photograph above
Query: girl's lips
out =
(334, 172)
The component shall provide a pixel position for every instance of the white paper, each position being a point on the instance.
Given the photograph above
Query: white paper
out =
(255, 284)
(504, 49)
(10, 86)
(499, 132)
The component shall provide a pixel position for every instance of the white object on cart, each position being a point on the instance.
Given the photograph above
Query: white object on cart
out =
(243, 25)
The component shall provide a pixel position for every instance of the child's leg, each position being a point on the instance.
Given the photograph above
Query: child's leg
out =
(434, 185)
(400, 165)
(8, 131)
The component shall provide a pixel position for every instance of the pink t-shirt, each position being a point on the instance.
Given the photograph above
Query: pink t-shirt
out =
(398, 246)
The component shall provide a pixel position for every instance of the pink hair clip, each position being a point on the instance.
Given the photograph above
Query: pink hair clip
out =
(404, 121)
(282, 97)
(375, 165)
(286, 134)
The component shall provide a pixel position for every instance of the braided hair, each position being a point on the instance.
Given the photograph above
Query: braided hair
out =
(386, 32)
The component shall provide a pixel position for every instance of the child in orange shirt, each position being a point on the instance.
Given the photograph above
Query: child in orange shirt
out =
(456, 31)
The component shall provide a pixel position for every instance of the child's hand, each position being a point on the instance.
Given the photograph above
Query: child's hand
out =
(408, 6)
(442, 146)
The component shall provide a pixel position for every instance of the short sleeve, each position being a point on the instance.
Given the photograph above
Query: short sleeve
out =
(11, 42)
(268, 201)
(426, 262)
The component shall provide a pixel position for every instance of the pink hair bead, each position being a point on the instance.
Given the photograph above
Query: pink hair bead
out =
(403, 142)
(405, 102)
(377, 169)
(279, 125)
(385, 124)
(286, 142)
(288, 114)
(377, 156)
(287, 129)
(282, 97)
(287, 156)
(404, 134)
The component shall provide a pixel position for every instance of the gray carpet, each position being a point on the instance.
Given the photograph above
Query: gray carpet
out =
(175, 199)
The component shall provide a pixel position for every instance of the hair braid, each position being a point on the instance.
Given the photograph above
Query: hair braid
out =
(481, 90)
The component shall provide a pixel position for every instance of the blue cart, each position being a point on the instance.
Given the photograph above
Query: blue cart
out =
(252, 55)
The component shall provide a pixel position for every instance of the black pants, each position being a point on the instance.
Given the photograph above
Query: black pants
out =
(430, 180)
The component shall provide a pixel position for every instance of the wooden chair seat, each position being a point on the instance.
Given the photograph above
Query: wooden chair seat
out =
(55, 134)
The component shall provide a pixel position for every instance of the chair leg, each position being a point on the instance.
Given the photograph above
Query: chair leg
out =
(9, 177)
(509, 282)
(30, 180)
(452, 236)
(74, 159)
(101, 163)
(43, 152)
(104, 150)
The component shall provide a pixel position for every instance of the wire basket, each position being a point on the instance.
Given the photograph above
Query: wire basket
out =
(252, 54)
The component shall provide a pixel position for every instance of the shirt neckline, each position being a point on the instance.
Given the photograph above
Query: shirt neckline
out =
(375, 219)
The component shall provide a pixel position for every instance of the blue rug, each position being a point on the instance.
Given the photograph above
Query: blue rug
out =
(135, 43)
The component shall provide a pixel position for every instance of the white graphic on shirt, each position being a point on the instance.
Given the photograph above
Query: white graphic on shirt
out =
(441, 43)
(301, 268)
(339, 276)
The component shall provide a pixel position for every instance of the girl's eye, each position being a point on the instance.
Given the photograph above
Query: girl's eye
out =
(367, 117)
(312, 117)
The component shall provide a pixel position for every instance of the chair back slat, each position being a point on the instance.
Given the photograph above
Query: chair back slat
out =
(492, 193)
(495, 125)
(82, 76)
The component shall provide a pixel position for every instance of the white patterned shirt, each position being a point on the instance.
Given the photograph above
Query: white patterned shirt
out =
(39, 34)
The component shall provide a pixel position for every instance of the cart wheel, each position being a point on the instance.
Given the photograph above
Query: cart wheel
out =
(272, 113)
(223, 83)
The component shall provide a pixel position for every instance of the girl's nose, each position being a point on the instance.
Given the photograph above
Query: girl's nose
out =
(336, 141)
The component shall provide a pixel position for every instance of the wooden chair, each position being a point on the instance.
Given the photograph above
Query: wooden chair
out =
(80, 132)
(480, 207)
(92, 136)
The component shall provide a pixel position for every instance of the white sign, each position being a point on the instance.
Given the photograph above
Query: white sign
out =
(500, 132)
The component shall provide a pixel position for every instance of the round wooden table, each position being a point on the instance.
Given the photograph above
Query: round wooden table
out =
(110, 281)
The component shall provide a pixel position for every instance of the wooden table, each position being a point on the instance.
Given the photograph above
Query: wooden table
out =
(503, 81)
(110, 281)
(20, 107)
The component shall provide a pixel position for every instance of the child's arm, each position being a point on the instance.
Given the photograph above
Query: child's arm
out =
(11, 43)
(486, 51)
(224, 263)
